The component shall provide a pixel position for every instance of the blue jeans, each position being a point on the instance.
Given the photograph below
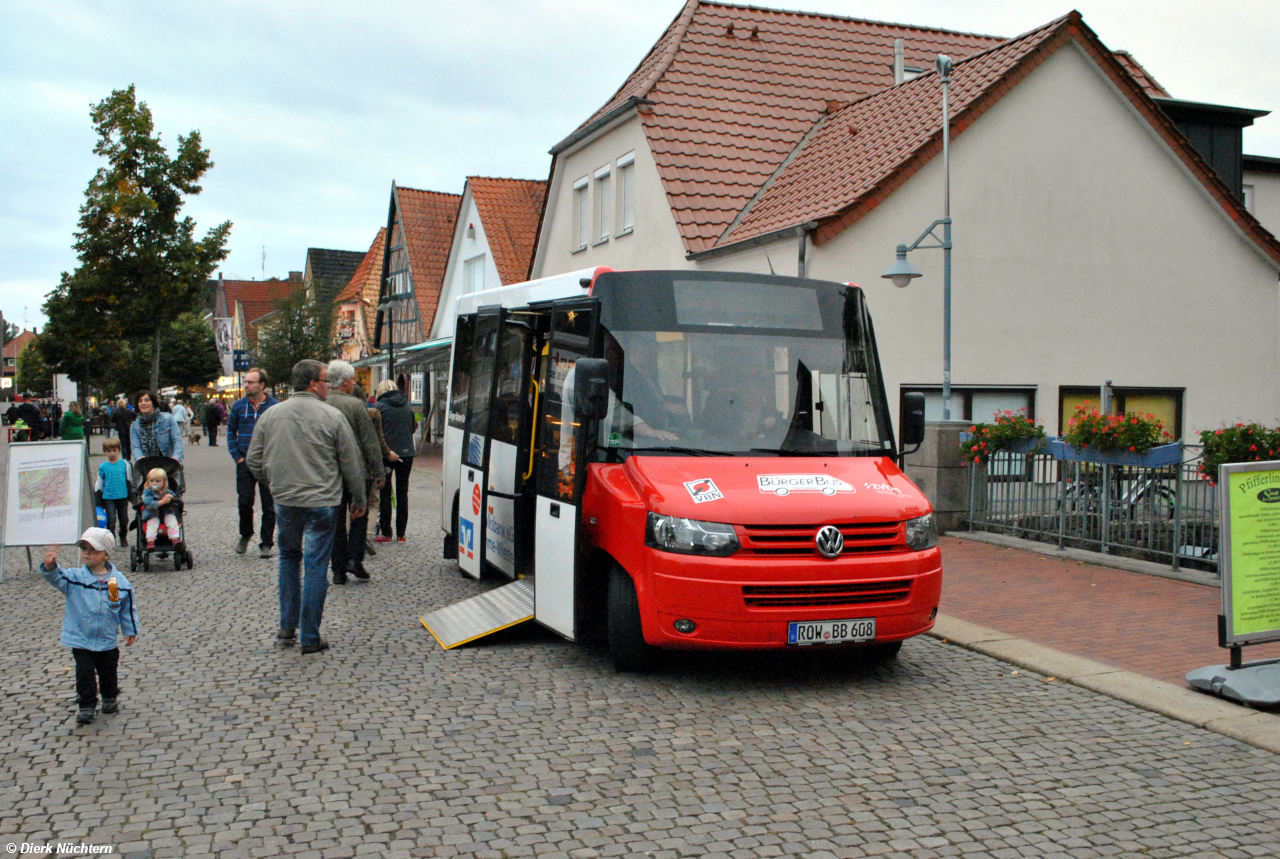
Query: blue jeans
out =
(305, 540)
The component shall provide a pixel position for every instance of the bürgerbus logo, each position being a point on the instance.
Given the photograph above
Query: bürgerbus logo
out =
(785, 484)
(703, 490)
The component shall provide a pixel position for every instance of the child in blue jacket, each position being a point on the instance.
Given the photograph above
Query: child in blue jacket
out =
(100, 605)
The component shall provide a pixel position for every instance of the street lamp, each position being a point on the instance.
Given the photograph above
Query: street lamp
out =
(902, 272)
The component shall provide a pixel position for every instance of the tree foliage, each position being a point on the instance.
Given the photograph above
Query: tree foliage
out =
(190, 354)
(301, 326)
(35, 377)
(141, 265)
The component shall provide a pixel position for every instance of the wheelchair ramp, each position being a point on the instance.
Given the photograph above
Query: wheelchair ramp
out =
(481, 615)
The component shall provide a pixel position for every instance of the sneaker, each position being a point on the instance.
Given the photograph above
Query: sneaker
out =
(318, 646)
(287, 637)
(242, 545)
(265, 550)
(110, 706)
(382, 538)
(151, 544)
(368, 547)
(400, 539)
(85, 716)
(358, 570)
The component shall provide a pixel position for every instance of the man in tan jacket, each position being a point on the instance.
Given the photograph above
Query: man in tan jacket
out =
(305, 452)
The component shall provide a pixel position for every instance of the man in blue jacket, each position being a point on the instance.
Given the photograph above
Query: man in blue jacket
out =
(244, 416)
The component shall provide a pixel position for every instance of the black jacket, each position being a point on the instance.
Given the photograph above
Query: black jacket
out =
(398, 423)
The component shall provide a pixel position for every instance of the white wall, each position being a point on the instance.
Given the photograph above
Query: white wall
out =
(1083, 252)
(462, 250)
(655, 242)
(1266, 199)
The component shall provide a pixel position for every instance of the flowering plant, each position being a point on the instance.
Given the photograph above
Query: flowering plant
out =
(1113, 433)
(1239, 443)
(986, 439)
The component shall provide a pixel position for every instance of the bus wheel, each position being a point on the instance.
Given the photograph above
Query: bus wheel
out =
(627, 646)
(450, 550)
(885, 651)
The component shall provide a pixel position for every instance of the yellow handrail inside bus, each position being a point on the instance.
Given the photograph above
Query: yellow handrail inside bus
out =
(533, 436)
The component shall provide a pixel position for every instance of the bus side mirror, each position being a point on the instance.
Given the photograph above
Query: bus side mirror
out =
(591, 388)
(911, 421)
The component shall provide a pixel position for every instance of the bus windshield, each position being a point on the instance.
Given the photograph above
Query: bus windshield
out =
(735, 364)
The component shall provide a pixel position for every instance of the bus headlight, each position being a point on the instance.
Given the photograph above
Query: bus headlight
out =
(922, 533)
(689, 536)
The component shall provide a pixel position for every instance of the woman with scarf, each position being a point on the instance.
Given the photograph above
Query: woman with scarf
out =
(154, 433)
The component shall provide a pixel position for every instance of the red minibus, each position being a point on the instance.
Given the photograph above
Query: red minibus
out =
(687, 460)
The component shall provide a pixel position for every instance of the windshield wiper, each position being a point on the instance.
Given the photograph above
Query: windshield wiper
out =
(691, 451)
(778, 451)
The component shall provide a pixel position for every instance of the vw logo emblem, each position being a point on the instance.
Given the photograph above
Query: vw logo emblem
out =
(830, 542)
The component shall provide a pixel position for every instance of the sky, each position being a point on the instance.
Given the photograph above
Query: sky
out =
(312, 109)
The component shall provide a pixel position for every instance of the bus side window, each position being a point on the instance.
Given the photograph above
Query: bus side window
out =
(461, 375)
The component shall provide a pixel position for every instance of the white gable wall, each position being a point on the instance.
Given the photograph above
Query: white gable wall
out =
(655, 241)
(463, 249)
(1084, 251)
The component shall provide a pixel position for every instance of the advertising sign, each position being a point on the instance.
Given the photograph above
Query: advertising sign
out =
(1250, 554)
(222, 338)
(45, 494)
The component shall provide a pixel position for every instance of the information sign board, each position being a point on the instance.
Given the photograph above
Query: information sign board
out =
(1250, 552)
(46, 493)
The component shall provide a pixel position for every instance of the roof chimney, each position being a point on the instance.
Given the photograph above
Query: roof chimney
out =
(295, 277)
(899, 63)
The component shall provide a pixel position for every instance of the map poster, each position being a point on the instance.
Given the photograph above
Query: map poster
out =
(1250, 554)
(44, 493)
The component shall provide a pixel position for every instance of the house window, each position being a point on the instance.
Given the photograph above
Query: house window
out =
(627, 193)
(976, 404)
(415, 387)
(1164, 403)
(473, 274)
(1247, 194)
(581, 213)
(604, 204)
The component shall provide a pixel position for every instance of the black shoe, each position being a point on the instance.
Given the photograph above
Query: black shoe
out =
(358, 570)
(85, 716)
(315, 648)
(110, 706)
(242, 546)
(287, 637)
(339, 579)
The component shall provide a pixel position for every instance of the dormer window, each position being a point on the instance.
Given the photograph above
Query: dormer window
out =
(911, 73)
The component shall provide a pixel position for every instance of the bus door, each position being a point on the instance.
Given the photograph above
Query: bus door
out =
(562, 456)
(455, 428)
(475, 441)
(507, 515)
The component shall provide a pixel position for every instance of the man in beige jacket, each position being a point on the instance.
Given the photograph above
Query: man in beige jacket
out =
(304, 450)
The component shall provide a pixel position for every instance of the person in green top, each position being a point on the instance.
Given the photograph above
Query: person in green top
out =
(72, 425)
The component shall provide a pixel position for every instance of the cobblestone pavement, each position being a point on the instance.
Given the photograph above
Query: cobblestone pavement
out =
(228, 746)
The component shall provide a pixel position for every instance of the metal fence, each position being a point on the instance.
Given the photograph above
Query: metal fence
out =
(1167, 514)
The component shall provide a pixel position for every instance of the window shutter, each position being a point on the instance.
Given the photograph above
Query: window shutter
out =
(584, 216)
(628, 177)
(606, 205)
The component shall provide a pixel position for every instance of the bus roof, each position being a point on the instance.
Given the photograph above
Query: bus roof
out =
(567, 285)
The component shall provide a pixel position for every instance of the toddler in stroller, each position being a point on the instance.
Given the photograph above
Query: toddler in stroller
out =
(158, 515)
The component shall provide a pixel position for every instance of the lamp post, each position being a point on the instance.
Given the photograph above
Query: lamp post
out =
(902, 272)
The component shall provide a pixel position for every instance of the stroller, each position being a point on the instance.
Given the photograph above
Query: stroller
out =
(139, 554)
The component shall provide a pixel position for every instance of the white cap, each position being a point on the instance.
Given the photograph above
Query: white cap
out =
(98, 538)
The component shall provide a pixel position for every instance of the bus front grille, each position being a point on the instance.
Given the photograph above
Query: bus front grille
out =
(860, 538)
(822, 596)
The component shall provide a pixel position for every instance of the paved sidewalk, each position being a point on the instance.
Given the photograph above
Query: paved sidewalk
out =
(1154, 626)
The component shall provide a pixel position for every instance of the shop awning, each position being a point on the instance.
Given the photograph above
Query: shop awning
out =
(425, 354)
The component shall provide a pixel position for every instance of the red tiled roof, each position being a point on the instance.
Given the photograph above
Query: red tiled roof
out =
(863, 153)
(1149, 84)
(734, 89)
(258, 296)
(427, 218)
(509, 210)
(14, 347)
(366, 282)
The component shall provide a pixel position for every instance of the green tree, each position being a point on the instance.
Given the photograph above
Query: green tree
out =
(141, 265)
(190, 354)
(35, 376)
(300, 326)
